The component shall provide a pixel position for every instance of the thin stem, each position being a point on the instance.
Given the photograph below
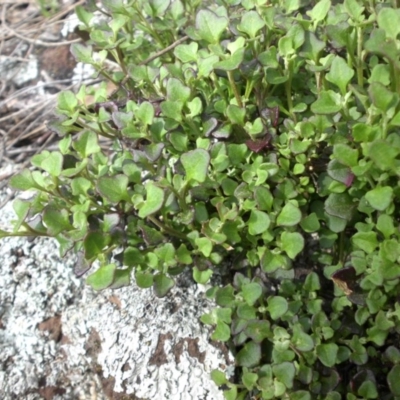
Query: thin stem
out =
(360, 77)
(341, 248)
(84, 125)
(163, 51)
(234, 88)
(150, 29)
(217, 85)
(249, 88)
(288, 89)
(167, 229)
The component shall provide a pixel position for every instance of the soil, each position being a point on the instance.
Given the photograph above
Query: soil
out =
(35, 64)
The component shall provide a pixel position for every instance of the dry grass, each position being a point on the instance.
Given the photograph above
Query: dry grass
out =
(28, 38)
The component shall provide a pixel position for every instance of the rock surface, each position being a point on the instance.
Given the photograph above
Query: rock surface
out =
(61, 340)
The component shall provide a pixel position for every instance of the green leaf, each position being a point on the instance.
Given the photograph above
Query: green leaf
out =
(83, 15)
(114, 188)
(340, 74)
(258, 222)
(263, 198)
(381, 97)
(381, 73)
(154, 200)
(290, 215)
(310, 223)
(285, 373)
(202, 277)
(183, 255)
(257, 330)
(382, 154)
(21, 208)
(368, 390)
(389, 21)
(209, 26)
(312, 283)
(277, 306)
(320, 10)
(50, 162)
(385, 225)
(218, 377)
(23, 181)
(187, 52)
(206, 65)
(145, 113)
(224, 296)
(301, 340)
(56, 220)
(162, 284)
(380, 198)
(122, 278)
(292, 243)
(327, 103)
(340, 205)
(245, 311)
(302, 395)
(378, 44)
(158, 7)
(354, 9)
(83, 54)
(251, 292)
(102, 278)
(87, 144)
(366, 241)
(222, 332)
(232, 62)
(172, 109)
(236, 114)
(94, 244)
(345, 154)
(144, 279)
(327, 353)
(205, 245)
(177, 91)
(166, 254)
(393, 380)
(250, 355)
(312, 47)
(340, 172)
(195, 106)
(196, 164)
(249, 380)
(251, 23)
(236, 45)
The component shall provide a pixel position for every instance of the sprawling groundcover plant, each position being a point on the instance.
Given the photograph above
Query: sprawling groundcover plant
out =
(256, 137)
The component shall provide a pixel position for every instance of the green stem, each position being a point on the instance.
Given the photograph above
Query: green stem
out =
(234, 88)
(117, 54)
(148, 26)
(360, 77)
(214, 78)
(384, 126)
(167, 229)
(288, 89)
(341, 248)
(249, 88)
(90, 128)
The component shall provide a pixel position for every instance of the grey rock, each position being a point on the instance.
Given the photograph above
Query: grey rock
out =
(59, 339)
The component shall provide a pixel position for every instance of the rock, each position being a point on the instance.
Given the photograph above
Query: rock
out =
(59, 339)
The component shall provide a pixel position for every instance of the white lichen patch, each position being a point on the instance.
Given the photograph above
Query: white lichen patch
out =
(58, 335)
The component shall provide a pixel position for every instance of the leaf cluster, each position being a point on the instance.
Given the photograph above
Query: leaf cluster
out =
(258, 136)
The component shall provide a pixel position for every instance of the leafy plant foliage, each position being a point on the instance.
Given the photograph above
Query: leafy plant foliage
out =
(261, 136)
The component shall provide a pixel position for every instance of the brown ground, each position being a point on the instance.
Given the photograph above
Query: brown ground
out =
(27, 96)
